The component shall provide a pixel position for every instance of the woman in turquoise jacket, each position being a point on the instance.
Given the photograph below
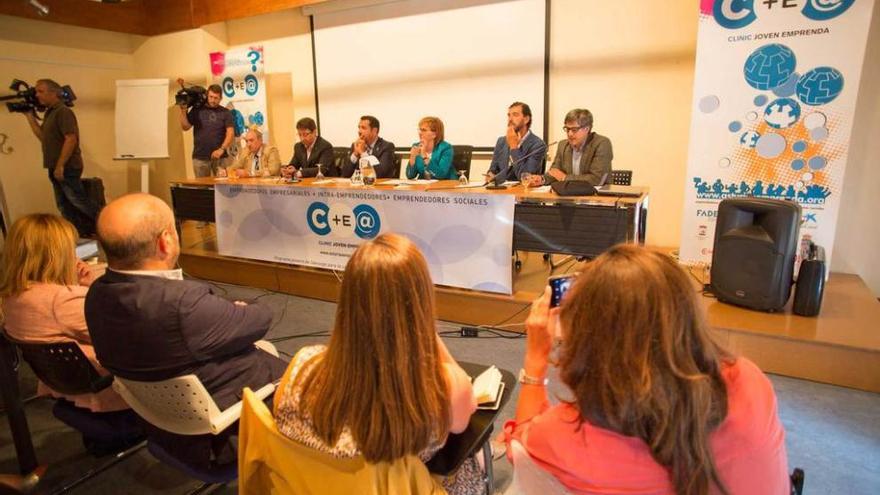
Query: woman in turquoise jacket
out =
(431, 152)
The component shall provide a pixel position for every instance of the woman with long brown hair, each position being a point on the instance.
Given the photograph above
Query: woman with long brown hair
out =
(385, 386)
(658, 407)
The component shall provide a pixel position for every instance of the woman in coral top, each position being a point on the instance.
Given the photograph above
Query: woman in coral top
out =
(658, 407)
(43, 289)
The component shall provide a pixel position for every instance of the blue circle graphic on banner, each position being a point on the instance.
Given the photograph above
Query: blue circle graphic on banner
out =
(251, 85)
(228, 86)
(820, 86)
(823, 10)
(366, 221)
(769, 66)
(782, 113)
(788, 87)
(817, 162)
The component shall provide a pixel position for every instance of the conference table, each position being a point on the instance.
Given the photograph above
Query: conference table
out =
(543, 221)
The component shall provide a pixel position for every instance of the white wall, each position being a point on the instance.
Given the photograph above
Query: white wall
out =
(857, 242)
(33, 50)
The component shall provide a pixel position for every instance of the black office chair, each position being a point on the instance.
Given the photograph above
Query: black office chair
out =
(461, 159)
(14, 406)
(395, 172)
(341, 157)
(621, 177)
(65, 369)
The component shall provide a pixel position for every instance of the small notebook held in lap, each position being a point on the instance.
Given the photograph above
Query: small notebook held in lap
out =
(488, 389)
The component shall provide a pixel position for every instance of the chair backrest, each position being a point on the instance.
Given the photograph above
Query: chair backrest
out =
(528, 478)
(63, 367)
(269, 462)
(461, 158)
(621, 177)
(340, 156)
(395, 173)
(180, 405)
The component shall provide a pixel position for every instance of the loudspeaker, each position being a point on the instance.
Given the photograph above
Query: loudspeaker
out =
(810, 283)
(754, 252)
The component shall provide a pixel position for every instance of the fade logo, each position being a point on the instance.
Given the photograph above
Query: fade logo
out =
(362, 221)
(734, 14)
(809, 218)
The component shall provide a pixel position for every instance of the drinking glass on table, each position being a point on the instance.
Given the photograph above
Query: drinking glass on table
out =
(357, 178)
(525, 179)
(319, 175)
(462, 178)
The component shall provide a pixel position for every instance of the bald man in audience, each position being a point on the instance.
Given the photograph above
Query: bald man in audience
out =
(256, 159)
(149, 324)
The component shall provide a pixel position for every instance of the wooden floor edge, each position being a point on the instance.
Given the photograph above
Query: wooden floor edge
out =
(455, 305)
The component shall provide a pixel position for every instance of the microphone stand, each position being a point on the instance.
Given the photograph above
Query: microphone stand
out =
(511, 163)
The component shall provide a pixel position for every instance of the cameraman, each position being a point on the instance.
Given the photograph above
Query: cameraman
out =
(213, 134)
(59, 135)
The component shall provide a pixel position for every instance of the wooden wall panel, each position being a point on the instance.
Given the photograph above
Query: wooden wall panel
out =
(211, 11)
(125, 17)
(148, 17)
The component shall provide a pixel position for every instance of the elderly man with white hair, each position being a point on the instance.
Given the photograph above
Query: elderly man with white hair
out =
(256, 159)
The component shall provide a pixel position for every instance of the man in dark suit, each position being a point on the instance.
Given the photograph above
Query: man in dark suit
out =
(311, 151)
(367, 145)
(584, 155)
(149, 324)
(519, 151)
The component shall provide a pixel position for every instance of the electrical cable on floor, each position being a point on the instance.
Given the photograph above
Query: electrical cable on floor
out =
(321, 333)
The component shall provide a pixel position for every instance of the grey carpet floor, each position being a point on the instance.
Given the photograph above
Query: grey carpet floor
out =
(833, 433)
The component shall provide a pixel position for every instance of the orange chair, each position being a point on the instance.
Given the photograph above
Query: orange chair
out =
(270, 463)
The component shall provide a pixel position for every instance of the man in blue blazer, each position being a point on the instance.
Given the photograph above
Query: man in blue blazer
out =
(149, 324)
(519, 150)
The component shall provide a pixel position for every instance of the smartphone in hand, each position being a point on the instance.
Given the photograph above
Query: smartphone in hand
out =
(558, 287)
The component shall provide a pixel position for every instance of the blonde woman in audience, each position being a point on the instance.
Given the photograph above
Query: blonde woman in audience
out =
(43, 292)
(658, 407)
(385, 386)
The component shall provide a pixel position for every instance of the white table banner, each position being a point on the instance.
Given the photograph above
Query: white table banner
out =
(465, 237)
(775, 89)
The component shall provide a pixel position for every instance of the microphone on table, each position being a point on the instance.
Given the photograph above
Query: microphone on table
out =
(501, 176)
(497, 182)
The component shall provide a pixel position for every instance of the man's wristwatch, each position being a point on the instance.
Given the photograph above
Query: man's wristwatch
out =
(526, 379)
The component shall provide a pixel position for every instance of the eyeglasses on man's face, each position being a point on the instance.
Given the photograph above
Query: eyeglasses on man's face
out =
(566, 129)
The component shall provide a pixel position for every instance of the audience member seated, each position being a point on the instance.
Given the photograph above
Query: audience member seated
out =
(385, 386)
(44, 290)
(256, 159)
(149, 324)
(519, 151)
(584, 155)
(311, 152)
(431, 156)
(369, 144)
(658, 407)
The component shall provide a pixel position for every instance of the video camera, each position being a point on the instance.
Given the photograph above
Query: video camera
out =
(191, 97)
(27, 97)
